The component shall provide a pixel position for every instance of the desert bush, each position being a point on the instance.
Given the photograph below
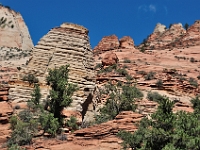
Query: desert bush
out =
(141, 72)
(150, 76)
(120, 99)
(17, 106)
(154, 96)
(159, 83)
(198, 77)
(72, 123)
(122, 71)
(193, 82)
(192, 60)
(99, 65)
(21, 135)
(30, 78)
(49, 124)
(127, 60)
(15, 147)
(196, 104)
(129, 77)
(166, 130)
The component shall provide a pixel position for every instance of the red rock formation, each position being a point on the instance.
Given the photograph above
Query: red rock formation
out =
(161, 37)
(5, 112)
(107, 43)
(109, 59)
(126, 42)
(4, 93)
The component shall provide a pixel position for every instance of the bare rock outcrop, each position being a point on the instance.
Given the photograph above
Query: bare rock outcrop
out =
(162, 36)
(190, 38)
(109, 59)
(126, 42)
(5, 112)
(107, 43)
(123, 121)
(67, 44)
(160, 28)
(18, 36)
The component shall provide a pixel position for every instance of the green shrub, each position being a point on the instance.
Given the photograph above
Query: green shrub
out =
(15, 147)
(129, 77)
(122, 72)
(98, 66)
(72, 123)
(21, 135)
(159, 83)
(141, 72)
(154, 96)
(192, 60)
(13, 122)
(196, 104)
(48, 123)
(120, 99)
(127, 60)
(150, 76)
(61, 91)
(25, 115)
(193, 82)
(30, 78)
(166, 130)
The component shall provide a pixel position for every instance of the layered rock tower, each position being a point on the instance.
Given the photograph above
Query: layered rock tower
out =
(67, 44)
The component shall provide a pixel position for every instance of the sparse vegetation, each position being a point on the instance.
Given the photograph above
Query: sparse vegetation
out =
(186, 26)
(198, 77)
(154, 96)
(72, 123)
(166, 130)
(121, 98)
(127, 60)
(192, 60)
(159, 83)
(29, 122)
(150, 76)
(193, 82)
(30, 78)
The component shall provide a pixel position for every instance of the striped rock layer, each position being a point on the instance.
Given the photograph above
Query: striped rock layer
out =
(67, 44)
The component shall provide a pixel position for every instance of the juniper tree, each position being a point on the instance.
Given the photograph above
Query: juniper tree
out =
(61, 91)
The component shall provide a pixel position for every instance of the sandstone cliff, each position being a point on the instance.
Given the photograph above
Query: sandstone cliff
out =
(18, 36)
(15, 43)
(67, 44)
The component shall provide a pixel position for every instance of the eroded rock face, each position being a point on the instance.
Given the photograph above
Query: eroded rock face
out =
(162, 36)
(107, 43)
(109, 59)
(67, 44)
(159, 28)
(126, 42)
(18, 36)
(5, 112)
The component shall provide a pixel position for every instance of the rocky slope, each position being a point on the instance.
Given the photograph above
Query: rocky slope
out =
(175, 36)
(67, 44)
(178, 70)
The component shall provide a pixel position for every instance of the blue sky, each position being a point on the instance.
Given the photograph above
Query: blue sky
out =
(135, 18)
